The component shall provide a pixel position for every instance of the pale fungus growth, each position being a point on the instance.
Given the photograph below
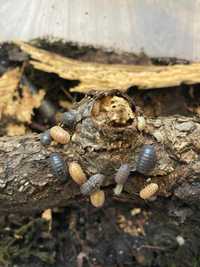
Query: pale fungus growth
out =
(113, 110)
(180, 240)
(119, 110)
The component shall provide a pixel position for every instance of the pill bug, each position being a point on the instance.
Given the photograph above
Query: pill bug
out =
(59, 135)
(146, 159)
(58, 166)
(97, 198)
(69, 118)
(45, 138)
(92, 184)
(121, 177)
(77, 173)
(149, 191)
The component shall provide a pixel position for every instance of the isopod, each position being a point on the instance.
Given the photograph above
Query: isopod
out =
(146, 160)
(149, 191)
(97, 198)
(60, 135)
(92, 184)
(121, 177)
(58, 166)
(77, 173)
(45, 138)
(69, 118)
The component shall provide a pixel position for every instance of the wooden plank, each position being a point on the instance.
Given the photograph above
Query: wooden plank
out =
(161, 28)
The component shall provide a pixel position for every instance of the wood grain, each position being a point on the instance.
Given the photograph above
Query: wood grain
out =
(160, 28)
(111, 76)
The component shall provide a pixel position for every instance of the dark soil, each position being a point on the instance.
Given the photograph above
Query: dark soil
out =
(99, 238)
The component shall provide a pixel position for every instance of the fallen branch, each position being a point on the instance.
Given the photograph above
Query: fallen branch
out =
(107, 133)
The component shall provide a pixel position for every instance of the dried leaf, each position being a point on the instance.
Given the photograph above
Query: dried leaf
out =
(107, 76)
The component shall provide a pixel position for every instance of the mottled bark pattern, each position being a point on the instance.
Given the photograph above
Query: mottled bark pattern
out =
(104, 137)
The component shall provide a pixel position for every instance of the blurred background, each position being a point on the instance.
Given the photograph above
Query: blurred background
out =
(159, 28)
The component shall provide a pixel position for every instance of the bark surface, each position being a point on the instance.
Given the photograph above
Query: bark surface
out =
(107, 133)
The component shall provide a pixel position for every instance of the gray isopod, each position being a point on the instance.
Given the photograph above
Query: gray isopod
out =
(146, 160)
(69, 118)
(92, 184)
(58, 166)
(121, 177)
(45, 138)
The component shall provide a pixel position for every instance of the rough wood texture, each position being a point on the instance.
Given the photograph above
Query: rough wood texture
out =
(8, 85)
(160, 28)
(107, 76)
(100, 146)
(13, 103)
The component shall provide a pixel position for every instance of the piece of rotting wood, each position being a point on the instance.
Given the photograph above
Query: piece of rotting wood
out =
(107, 76)
(8, 85)
(14, 104)
(100, 142)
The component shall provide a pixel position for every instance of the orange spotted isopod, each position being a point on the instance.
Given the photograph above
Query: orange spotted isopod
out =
(149, 191)
(77, 173)
(59, 135)
(97, 198)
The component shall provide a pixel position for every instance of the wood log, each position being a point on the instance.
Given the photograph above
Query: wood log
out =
(106, 134)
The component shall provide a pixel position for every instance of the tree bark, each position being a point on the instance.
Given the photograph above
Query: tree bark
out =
(106, 134)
